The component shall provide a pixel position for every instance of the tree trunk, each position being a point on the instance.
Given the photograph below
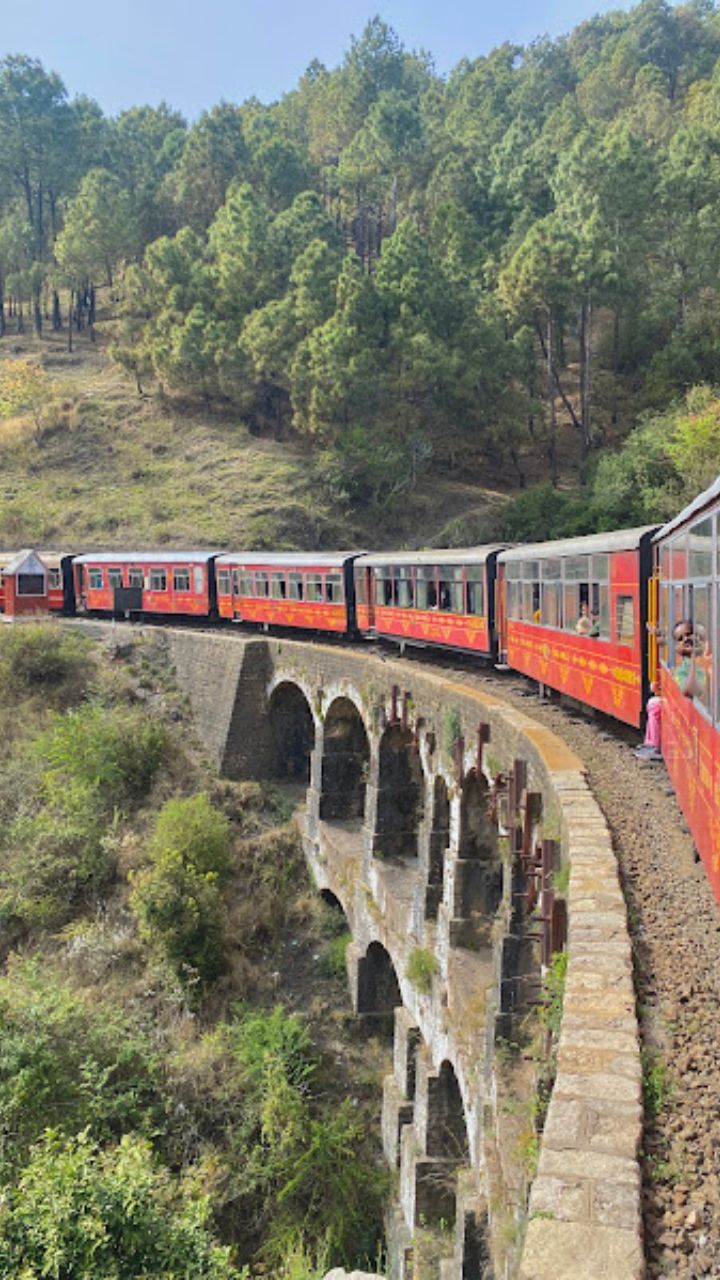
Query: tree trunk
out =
(37, 312)
(56, 313)
(70, 319)
(20, 319)
(552, 439)
(585, 356)
(615, 365)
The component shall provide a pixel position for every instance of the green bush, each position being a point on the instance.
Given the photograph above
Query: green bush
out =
(116, 752)
(42, 655)
(68, 1061)
(421, 968)
(111, 1215)
(199, 834)
(180, 915)
(332, 959)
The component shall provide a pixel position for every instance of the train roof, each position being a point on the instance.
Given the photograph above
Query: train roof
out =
(51, 559)
(448, 555)
(145, 557)
(288, 559)
(693, 508)
(590, 544)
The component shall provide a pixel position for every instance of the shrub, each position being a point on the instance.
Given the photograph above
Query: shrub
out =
(180, 915)
(113, 1215)
(68, 1061)
(116, 752)
(199, 834)
(42, 656)
(421, 968)
(332, 960)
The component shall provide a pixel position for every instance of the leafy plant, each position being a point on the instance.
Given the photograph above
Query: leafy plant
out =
(422, 966)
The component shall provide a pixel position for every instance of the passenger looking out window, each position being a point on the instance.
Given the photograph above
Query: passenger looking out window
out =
(692, 658)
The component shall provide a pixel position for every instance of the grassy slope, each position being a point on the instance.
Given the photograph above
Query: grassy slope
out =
(114, 469)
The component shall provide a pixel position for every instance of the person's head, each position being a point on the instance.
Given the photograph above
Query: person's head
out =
(584, 610)
(683, 635)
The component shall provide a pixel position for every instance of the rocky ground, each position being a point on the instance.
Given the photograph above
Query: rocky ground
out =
(675, 927)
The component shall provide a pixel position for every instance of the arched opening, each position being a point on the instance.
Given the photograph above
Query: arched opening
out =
(400, 795)
(478, 837)
(293, 733)
(439, 841)
(332, 901)
(447, 1132)
(345, 764)
(378, 987)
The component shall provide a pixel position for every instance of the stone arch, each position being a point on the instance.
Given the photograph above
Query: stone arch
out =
(292, 729)
(439, 841)
(447, 1135)
(478, 837)
(345, 763)
(400, 794)
(378, 986)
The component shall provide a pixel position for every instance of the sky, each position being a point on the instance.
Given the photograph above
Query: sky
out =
(193, 53)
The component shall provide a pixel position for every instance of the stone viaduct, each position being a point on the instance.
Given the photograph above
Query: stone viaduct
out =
(433, 811)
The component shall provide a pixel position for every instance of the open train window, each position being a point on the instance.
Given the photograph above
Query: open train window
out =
(95, 579)
(333, 588)
(223, 582)
(295, 586)
(31, 584)
(278, 586)
(314, 588)
(405, 588)
(702, 619)
(181, 580)
(600, 605)
(114, 578)
(54, 579)
(244, 582)
(158, 580)
(262, 585)
(451, 590)
(385, 586)
(136, 578)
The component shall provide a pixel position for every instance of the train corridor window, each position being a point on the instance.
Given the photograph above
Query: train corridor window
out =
(333, 588)
(600, 609)
(181, 580)
(54, 579)
(625, 620)
(223, 582)
(278, 586)
(701, 549)
(135, 578)
(475, 587)
(31, 584)
(451, 590)
(158, 580)
(314, 588)
(95, 579)
(405, 589)
(426, 587)
(295, 586)
(114, 579)
(385, 586)
(679, 558)
(663, 620)
(703, 639)
(551, 600)
(360, 579)
(244, 582)
(198, 579)
(262, 585)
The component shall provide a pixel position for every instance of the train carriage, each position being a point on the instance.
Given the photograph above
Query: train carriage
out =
(444, 598)
(138, 582)
(688, 561)
(573, 617)
(36, 582)
(312, 590)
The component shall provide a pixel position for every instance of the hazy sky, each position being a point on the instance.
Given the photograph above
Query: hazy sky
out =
(192, 53)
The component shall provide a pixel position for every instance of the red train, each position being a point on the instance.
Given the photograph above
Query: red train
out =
(594, 618)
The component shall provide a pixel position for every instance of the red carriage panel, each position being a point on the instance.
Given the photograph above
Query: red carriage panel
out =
(174, 583)
(292, 590)
(691, 747)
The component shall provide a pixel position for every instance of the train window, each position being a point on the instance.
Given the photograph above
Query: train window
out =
(451, 590)
(531, 570)
(600, 568)
(385, 586)
(54, 579)
(262, 585)
(571, 606)
(135, 578)
(475, 590)
(95, 579)
(426, 588)
(31, 584)
(405, 588)
(552, 604)
(295, 586)
(701, 549)
(678, 558)
(577, 569)
(600, 608)
(244, 582)
(158, 580)
(665, 562)
(333, 588)
(360, 580)
(513, 570)
(278, 587)
(314, 588)
(703, 639)
(531, 602)
(223, 581)
(551, 570)
(663, 636)
(181, 579)
(625, 620)
(114, 578)
(198, 579)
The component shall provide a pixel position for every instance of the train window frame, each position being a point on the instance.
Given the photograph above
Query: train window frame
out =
(624, 608)
(451, 591)
(314, 588)
(385, 587)
(426, 584)
(278, 585)
(404, 587)
(333, 581)
(54, 579)
(224, 582)
(198, 579)
(261, 584)
(296, 586)
(181, 580)
(360, 584)
(699, 570)
(158, 580)
(475, 585)
(702, 590)
(244, 583)
(136, 578)
(95, 579)
(31, 585)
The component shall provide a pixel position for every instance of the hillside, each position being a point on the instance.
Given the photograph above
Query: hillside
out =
(108, 468)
